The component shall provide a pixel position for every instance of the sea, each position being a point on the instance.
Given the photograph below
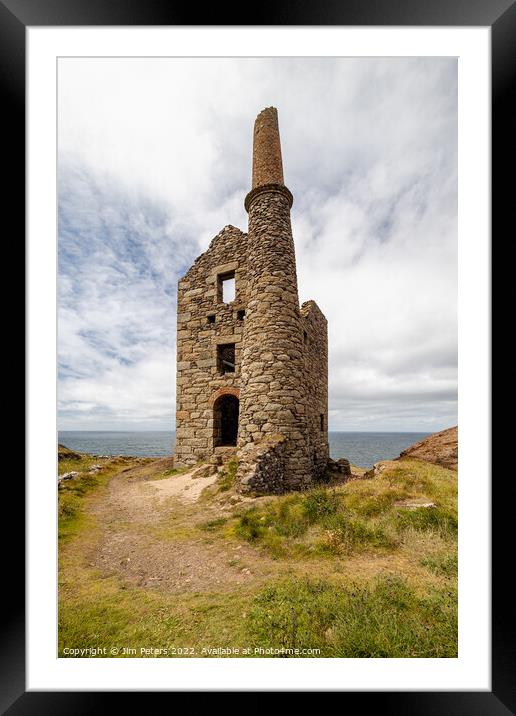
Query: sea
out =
(360, 448)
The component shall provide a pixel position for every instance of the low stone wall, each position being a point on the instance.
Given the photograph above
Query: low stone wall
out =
(262, 465)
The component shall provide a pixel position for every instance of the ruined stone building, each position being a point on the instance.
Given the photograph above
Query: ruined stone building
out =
(252, 364)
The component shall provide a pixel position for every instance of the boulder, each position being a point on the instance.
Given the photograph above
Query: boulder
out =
(339, 467)
(380, 467)
(67, 476)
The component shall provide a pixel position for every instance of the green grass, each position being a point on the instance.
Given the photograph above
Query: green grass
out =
(362, 515)
(386, 618)
(445, 564)
(372, 505)
(226, 479)
(71, 500)
(316, 523)
(82, 463)
(382, 578)
(437, 519)
(319, 504)
(288, 516)
(347, 534)
(106, 613)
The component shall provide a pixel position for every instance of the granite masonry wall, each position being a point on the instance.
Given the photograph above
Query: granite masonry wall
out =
(262, 466)
(205, 322)
(315, 339)
(273, 395)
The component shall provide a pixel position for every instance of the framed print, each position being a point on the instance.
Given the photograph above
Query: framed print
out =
(258, 308)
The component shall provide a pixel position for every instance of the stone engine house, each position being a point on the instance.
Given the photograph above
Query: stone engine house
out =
(252, 364)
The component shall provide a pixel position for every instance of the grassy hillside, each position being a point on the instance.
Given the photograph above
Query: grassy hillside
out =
(364, 569)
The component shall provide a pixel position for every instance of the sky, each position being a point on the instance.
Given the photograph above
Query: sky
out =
(154, 159)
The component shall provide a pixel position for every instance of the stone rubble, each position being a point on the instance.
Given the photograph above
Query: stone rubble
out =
(67, 476)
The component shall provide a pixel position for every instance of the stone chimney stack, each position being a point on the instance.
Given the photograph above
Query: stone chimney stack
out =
(273, 401)
(267, 163)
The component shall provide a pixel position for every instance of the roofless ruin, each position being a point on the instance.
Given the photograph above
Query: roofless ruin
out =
(252, 364)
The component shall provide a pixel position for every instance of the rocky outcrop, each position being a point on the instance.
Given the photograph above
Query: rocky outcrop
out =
(440, 449)
(64, 453)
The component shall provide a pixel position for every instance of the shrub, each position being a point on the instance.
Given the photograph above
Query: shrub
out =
(251, 525)
(290, 519)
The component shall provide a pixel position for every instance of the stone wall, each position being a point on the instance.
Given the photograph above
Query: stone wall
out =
(316, 385)
(262, 466)
(199, 381)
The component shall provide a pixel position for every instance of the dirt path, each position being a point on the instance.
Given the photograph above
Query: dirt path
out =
(154, 532)
(186, 487)
(150, 534)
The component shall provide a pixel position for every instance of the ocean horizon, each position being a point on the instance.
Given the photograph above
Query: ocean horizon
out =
(360, 448)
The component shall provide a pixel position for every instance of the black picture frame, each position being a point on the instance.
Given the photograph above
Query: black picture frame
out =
(500, 16)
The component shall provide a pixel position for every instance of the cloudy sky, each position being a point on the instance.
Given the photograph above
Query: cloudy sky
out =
(155, 158)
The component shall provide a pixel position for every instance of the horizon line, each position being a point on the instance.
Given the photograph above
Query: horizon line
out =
(92, 430)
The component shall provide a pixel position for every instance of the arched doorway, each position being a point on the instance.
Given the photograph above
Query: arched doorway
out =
(225, 420)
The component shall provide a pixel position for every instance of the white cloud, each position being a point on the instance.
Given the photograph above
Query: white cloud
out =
(155, 158)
